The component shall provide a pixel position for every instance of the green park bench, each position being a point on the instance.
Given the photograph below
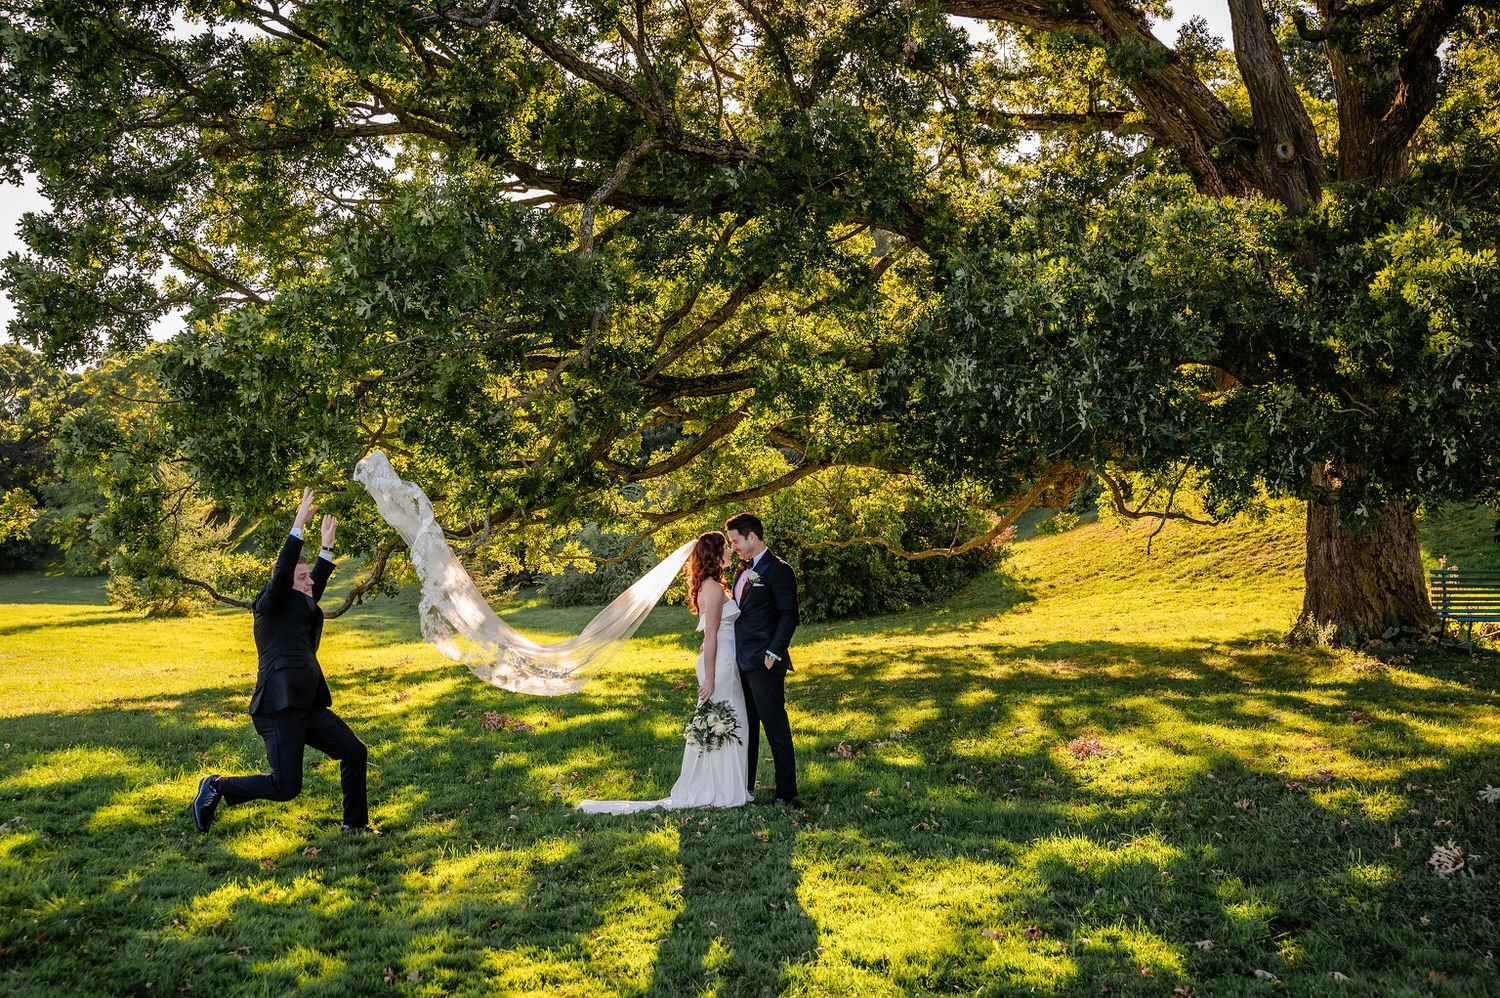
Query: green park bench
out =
(1466, 596)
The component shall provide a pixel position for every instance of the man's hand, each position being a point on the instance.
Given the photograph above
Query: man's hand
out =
(771, 660)
(329, 526)
(305, 511)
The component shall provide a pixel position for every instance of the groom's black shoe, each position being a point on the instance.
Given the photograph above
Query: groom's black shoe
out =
(206, 803)
(794, 803)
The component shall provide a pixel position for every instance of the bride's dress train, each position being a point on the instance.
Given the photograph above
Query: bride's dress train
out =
(456, 618)
(709, 779)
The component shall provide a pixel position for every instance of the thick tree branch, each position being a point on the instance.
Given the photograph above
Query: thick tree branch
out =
(744, 495)
(1382, 103)
(1182, 111)
(1117, 500)
(376, 576)
(215, 594)
(586, 224)
(1291, 162)
(716, 431)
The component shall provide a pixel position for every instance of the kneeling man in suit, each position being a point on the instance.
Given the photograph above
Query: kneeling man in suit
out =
(290, 707)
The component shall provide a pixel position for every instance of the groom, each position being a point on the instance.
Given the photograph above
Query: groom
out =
(290, 707)
(766, 591)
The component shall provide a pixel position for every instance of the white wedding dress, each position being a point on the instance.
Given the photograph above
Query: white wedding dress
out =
(709, 779)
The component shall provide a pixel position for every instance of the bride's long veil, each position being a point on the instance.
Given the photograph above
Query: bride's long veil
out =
(456, 618)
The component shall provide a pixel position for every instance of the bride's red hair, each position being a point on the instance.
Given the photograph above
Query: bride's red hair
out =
(705, 562)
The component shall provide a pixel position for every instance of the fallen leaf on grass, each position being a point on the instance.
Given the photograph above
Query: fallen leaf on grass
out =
(1244, 803)
(1021, 731)
(989, 933)
(1266, 975)
(762, 836)
(1182, 991)
(1085, 748)
(268, 863)
(241, 951)
(1447, 859)
(401, 697)
(842, 751)
(415, 975)
(1339, 978)
(311, 851)
(1490, 795)
(682, 685)
(503, 722)
(1035, 932)
(388, 975)
(1206, 945)
(226, 713)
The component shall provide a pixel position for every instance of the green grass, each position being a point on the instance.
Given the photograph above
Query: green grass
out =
(1279, 802)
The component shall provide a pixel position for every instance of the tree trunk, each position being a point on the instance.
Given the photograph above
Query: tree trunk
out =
(1363, 579)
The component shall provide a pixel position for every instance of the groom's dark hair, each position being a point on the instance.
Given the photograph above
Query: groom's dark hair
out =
(746, 524)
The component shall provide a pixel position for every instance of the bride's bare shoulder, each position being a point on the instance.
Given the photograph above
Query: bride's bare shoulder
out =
(710, 593)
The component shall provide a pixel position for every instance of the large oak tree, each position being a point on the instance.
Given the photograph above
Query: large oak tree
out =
(639, 260)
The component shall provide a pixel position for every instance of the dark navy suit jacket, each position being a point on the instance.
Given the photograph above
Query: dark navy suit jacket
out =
(768, 615)
(288, 628)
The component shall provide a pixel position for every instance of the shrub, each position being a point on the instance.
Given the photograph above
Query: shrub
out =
(1058, 523)
(592, 583)
(806, 524)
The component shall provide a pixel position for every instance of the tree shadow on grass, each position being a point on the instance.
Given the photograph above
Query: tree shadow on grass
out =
(741, 929)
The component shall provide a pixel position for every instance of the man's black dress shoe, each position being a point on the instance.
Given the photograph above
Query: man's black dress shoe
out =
(206, 802)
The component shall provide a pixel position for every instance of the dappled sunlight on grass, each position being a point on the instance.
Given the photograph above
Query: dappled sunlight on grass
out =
(304, 966)
(79, 764)
(1065, 780)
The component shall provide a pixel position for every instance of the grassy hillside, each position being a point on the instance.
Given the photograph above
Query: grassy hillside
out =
(1091, 771)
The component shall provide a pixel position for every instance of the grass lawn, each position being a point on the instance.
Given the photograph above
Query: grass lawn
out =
(1091, 772)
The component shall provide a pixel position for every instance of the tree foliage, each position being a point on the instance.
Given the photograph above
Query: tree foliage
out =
(637, 264)
(34, 397)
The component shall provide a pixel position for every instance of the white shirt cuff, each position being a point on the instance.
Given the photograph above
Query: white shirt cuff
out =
(772, 654)
(297, 532)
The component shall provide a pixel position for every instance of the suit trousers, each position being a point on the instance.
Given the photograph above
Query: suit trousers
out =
(286, 733)
(765, 707)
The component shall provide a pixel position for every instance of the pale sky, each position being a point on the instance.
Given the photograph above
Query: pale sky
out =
(16, 201)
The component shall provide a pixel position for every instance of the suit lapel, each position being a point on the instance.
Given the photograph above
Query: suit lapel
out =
(765, 563)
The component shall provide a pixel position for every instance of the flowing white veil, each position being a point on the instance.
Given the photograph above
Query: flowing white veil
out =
(456, 618)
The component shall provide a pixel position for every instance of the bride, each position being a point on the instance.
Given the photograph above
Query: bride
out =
(716, 777)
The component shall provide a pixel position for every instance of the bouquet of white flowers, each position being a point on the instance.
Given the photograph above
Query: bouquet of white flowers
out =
(712, 726)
